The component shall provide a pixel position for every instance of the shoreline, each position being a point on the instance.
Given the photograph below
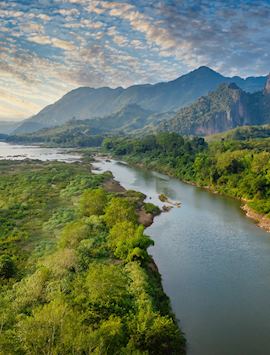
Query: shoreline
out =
(147, 219)
(262, 221)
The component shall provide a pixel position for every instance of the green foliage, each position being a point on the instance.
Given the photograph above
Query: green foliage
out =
(73, 233)
(106, 284)
(119, 210)
(68, 280)
(59, 219)
(237, 168)
(151, 208)
(243, 133)
(7, 266)
(128, 241)
(93, 202)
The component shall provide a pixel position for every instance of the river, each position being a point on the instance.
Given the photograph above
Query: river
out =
(21, 152)
(214, 262)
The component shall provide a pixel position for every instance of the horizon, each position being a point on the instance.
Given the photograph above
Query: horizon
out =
(49, 49)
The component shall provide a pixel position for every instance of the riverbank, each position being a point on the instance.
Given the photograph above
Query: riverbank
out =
(63, 237)
(262, 221)
(144, 218)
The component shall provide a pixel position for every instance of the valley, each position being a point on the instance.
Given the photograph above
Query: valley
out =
(134, 177)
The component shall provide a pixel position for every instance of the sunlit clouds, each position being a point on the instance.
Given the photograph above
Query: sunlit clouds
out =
(48, 47)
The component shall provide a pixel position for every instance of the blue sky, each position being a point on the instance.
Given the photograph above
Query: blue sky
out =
(48, 47)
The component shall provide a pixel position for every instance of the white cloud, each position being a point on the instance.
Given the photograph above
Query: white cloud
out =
(55, 42)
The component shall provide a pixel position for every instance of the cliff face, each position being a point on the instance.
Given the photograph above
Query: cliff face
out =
(226, 108)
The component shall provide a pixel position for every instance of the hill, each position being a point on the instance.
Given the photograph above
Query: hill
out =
(87, 133)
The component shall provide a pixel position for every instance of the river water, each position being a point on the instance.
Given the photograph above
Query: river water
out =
(21, 152)
(214, 262)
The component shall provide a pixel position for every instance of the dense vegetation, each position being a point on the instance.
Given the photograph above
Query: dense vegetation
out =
(238, 168)
(243, 133)
(75, 275)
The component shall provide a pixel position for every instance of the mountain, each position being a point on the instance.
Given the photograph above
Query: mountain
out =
(226, 108)
(88, 103)
(131, 119)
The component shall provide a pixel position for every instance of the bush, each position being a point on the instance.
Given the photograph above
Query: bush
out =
(151, 208)
(119, 210)
(7, 267)
(93, 202)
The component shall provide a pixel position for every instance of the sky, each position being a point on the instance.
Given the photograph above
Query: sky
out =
(49, 47)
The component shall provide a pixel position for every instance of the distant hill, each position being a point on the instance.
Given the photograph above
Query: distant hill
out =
(88, 103)
(221, 110)
(130, 119)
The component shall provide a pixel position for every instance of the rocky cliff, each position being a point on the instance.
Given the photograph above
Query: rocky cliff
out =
(226, 108)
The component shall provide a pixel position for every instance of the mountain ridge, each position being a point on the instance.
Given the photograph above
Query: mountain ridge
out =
(90, 103)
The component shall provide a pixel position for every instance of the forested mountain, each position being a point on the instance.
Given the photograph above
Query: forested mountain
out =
(88, 133)
(226, 108)
(88, 103)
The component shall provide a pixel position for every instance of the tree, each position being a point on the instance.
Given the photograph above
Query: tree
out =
(41, 333)
(119, 210)
(93, 202)
(109, 337)
(128, 241)
(107, 284)
(73, 233)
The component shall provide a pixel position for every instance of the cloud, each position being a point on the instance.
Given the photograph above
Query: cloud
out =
(55, 42)
(68, 12)
(51, 47)
(14, 104)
